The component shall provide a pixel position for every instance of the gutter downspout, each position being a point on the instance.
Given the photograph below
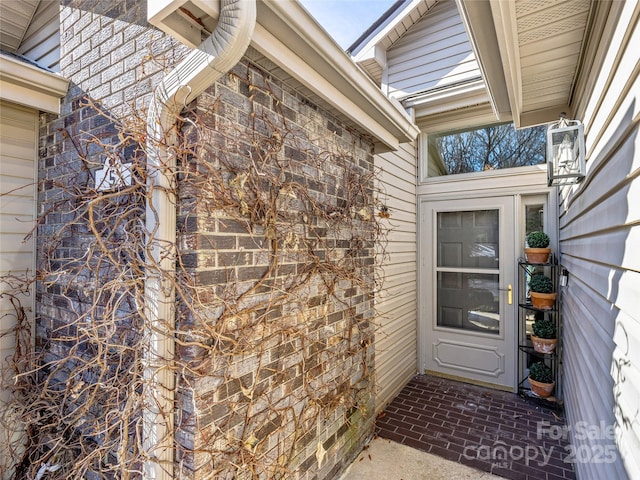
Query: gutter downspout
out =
(218, 54)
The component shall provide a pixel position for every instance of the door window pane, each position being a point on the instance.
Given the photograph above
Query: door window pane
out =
(534, 215)
(534, 222)
(469, 301)
(468, 239)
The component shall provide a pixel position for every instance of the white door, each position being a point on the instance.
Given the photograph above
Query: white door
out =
(468, 261)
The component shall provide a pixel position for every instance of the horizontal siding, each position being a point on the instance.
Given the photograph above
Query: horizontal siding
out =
(41, 42)
(407, 22)
(396, 355)
(17, 186)
(435, 52)
(18, 153)
(599, 242)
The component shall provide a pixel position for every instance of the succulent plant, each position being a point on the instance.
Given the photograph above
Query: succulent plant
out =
(544, 328)
(540, 283)
(537, 240)
(540, 373)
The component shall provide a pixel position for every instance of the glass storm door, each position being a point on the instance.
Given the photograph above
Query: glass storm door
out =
(468, 279)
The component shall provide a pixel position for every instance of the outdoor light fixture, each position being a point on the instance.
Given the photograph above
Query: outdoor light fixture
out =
(565, 152)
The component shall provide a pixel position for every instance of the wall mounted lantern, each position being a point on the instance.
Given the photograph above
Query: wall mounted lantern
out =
(565, 152)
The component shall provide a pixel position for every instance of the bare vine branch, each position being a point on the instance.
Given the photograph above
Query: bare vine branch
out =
(277, 252)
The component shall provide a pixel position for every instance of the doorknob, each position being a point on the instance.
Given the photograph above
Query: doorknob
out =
(509, 289)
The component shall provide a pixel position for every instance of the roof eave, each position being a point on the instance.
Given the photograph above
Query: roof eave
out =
(292, 40)
(31, 86)
(493, 29)
(479, 23)
(290, 37)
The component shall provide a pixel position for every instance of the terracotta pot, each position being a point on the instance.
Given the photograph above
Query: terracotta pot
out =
(537, 255)
(543, 301)
(541, 389)
(544, 345)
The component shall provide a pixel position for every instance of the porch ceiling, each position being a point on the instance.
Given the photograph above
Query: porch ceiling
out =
(542, 47)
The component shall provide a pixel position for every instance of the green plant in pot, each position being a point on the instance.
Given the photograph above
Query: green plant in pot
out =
(544, 336)
(537, 249)
(541, 379)
(542, 294)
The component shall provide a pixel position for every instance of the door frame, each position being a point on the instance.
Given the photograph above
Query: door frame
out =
(492, 347)
(519, 183)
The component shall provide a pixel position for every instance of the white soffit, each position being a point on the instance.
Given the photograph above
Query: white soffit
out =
(31, 86)
(541, 45)
(15, 17)
(189, 21)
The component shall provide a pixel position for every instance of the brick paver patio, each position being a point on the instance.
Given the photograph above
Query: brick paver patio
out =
(491, 430)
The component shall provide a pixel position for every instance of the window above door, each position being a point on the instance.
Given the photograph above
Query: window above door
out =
(479, 149)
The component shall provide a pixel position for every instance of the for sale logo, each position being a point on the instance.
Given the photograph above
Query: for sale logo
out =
(501, 455)
(599, 446)
(581, 431)
(594, 444)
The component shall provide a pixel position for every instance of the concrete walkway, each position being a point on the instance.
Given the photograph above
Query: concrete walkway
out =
(387, 460)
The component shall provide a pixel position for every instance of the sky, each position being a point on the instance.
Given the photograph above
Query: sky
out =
(346, 20)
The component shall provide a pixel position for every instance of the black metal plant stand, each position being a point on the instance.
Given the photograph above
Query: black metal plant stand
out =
(527, 313)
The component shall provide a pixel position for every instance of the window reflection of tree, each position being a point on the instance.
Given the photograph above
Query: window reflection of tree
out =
(490, 148)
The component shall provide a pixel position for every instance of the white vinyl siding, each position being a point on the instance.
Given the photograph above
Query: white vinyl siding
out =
(395, 343)
(434, 53)
(18, 154)
(599, 241)
(18, 129)
(41, 42)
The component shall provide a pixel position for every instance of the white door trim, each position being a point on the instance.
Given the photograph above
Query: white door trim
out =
(495, 352)
(514, 182)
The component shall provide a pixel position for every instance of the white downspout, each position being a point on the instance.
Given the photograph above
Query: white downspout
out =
(211, 60)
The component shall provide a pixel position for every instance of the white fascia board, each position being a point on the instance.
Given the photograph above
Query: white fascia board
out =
(469, 117)
(446, 99)
(383, 30)
(31, 86)
(271, 47)
(159, 9)
(289, 37)
(479, 23)
(371, 48)
(375, 53)
(504, 19)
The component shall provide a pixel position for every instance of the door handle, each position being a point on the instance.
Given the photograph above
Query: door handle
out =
(509, 289)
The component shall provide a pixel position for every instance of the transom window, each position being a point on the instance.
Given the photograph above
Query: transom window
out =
(490, 147)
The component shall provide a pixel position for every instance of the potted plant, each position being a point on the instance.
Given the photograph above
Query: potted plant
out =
(542, 294)
(541, 379)
(544, 335)
(537, 249)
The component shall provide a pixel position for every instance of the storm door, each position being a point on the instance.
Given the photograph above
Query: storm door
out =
(468, 259)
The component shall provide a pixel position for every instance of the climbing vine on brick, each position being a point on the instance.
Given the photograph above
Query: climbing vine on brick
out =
(277, 245)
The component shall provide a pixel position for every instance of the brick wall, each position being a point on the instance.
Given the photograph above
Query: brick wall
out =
(271, 384)
(288, 383)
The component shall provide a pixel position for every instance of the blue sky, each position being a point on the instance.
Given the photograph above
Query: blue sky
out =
(346, 20)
